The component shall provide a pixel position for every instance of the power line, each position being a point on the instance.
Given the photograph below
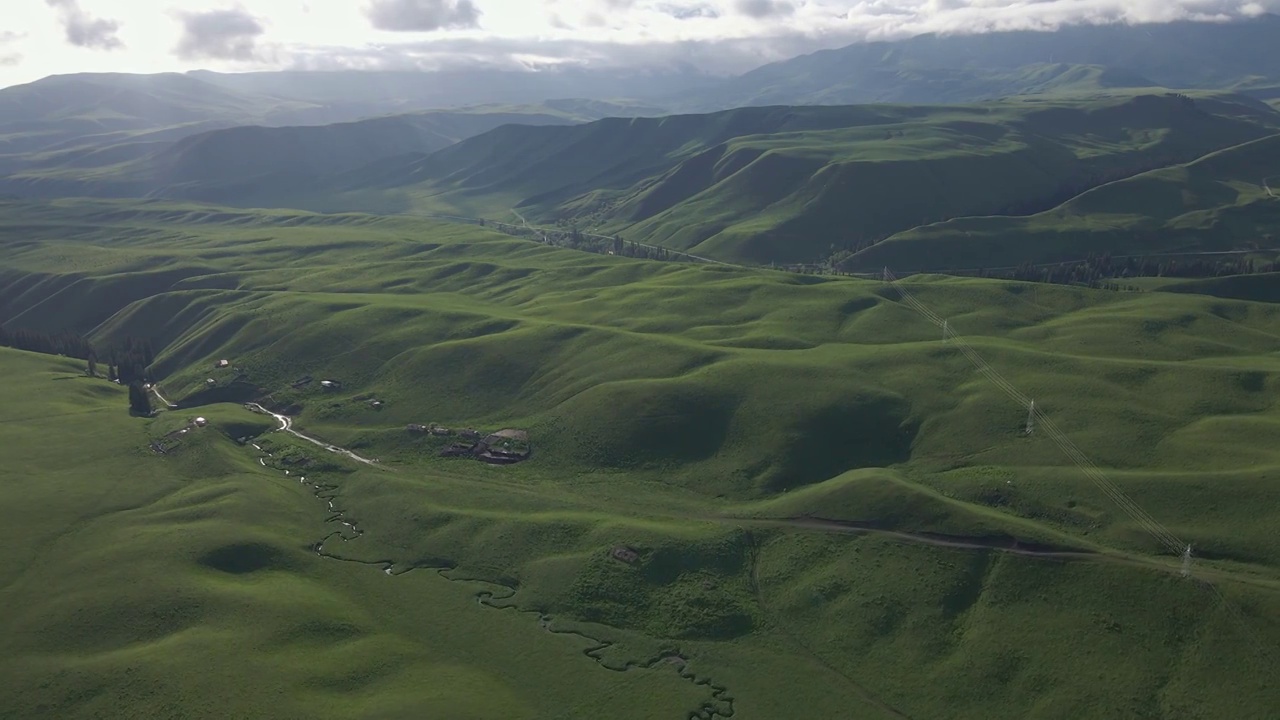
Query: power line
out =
(1037, 419)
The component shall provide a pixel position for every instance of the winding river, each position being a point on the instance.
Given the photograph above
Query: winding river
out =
(720, 704)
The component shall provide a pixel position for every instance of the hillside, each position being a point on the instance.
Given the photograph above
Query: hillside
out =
(822, 496)
(783, 184)
(67, 111)
(1224, 202)
(925, 69)
(179, 162)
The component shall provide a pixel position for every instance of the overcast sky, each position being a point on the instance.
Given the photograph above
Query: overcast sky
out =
(44, 37)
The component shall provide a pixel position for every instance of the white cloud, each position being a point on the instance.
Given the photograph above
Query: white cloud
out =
(422, 15)
(716, 35)
(85, 30)
(227, 34)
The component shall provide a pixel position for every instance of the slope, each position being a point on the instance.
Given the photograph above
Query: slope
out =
(1222, 202)
(181, 162)
(936, 68)
(146, 585)
(706, 418)
(64, 112)
(789, 184)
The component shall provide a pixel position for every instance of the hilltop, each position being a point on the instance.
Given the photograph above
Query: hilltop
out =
(961, 68)
(1221, 203)
(819, 493)
(789, 184)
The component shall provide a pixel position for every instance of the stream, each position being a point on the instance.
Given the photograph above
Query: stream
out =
(720, 705)
(286, 424)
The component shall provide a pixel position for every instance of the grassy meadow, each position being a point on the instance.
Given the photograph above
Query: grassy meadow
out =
(1222, 202)
(765, 185)
(821, 493)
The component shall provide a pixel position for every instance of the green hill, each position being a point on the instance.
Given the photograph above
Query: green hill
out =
(784, 184)
(1218, 203)
(823, 497)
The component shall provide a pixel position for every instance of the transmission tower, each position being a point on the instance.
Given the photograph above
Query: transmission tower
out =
(1186, 562)
(946, 328)
(1031, 418)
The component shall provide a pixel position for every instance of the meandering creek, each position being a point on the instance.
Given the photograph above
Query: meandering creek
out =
(720, 705)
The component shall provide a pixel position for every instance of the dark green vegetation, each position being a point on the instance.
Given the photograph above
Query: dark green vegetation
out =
(1221, 203)
(699, 415)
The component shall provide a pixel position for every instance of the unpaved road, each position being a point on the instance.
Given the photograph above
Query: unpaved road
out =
(286, 425)
(156, 389)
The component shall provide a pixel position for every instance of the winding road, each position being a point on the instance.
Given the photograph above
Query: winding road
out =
(286, 425)
(155, 389)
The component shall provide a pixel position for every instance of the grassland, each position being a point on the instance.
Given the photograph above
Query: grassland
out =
(787, 184)
(1218, 203)
(820, 492)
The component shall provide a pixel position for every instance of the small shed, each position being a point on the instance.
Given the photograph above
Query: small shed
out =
(415, 428)
(330, 384)
(210, 382)
(201, 422)
(222, 364)
(625, 554)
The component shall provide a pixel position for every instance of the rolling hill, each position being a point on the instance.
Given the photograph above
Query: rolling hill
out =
(825, 499)
(221, 163)
(790, 184)
(1223, 202)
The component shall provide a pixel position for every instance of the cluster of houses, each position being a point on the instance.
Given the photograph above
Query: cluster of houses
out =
(505, 447)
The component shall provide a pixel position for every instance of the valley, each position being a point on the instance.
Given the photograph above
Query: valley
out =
(417, 370)
(767, 540)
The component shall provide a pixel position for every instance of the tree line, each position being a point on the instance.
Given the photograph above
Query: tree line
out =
(575, 239)
(1104, 271)
(128, 362)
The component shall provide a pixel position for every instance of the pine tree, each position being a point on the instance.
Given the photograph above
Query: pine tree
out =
(92, 368)
(139, 400)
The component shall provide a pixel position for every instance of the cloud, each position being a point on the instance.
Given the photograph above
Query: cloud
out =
(10, 60)
(761, 9)
(84, 30)
(682, 11)
(649, 35)
(422, 15)
(7, 36)
(219, 35)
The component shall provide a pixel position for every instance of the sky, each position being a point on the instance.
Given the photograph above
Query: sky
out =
(47, 37)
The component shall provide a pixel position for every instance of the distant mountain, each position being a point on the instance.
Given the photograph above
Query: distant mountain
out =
(227, 162)
(98, 109)
(97, 120)
(966, 68)
(386, 92)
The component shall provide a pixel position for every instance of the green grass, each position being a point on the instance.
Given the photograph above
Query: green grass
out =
(792, 184)
(687, 412)
(152, 585)
(1216, 203)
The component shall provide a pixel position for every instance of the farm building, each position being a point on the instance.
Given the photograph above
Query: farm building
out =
(222, 364)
